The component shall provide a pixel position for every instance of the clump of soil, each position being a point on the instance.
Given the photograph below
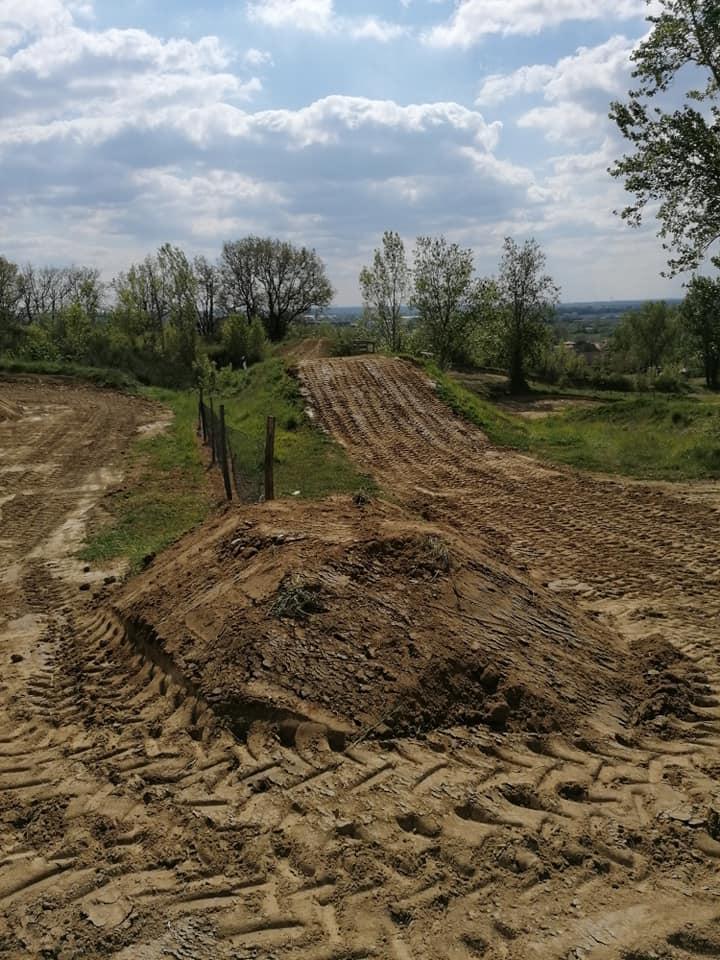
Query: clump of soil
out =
(366, 620)
(9, 410)
(667, 684)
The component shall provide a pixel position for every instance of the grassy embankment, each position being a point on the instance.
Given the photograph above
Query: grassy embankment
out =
(169, 490)
(649, 436)
(100, 376)
(307, 463)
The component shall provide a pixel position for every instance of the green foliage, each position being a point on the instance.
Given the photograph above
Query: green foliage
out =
(646, 436)
(385, 287)
(700, 314)
(273, 280)
(167, 494)
(446, 296)
(526, 299)
(646, 340)
(100, 376)
(676, 148)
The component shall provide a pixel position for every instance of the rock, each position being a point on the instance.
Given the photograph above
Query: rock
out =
(16, 658)
(713, 820)
(84, 586)
(498, 715)
(109, 580)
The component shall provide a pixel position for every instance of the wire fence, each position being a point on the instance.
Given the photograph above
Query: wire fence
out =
(246, 461)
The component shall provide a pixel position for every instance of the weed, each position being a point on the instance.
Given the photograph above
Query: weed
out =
(297, 599)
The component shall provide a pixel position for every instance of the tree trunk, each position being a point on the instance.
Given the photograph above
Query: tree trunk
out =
(516, 375)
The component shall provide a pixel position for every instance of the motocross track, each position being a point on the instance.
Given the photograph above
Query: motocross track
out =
(135, 824)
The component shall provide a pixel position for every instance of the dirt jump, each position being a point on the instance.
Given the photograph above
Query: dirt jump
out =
(477, 716)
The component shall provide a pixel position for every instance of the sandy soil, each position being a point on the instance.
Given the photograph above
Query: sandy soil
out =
(224, 779)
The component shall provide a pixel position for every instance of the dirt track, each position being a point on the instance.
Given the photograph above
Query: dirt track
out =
(133, 826)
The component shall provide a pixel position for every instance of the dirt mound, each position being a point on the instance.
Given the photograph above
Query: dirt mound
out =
(362, 619)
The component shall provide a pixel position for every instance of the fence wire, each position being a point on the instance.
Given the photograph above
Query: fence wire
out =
(239, 453)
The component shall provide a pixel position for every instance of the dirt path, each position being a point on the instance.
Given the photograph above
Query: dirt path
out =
(132, 826)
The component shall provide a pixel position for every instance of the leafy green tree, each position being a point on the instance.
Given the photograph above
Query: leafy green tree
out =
(675, 158)
(273, 280)
(647, 339)
(385, 287)
(526, 301)
(257, 344)
(700, 314)
(445, 295)
(235, 340)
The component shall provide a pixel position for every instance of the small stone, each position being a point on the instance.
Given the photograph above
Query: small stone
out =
(86, 569)
(16, 658)
(84, 586)
(109, 580)
(713, 820)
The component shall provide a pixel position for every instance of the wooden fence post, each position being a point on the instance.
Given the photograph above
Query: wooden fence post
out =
(224, 454)
(201, 416)
(270, 459)
(213, 442)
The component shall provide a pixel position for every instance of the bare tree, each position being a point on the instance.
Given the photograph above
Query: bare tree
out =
(207, 280)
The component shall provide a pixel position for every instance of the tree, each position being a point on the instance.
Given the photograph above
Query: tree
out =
(676, 151)
(9, 302)
(156, 300)
(385, 287)
(646, 339)
(445, 295)
(700, 314)
(207, 283)
(526, 301)
(273, 280)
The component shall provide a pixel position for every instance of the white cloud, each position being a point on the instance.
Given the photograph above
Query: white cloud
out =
(313, 15)
(473, 20)
(564, 122)
(257, 58)
(605, 67)
(319, 16)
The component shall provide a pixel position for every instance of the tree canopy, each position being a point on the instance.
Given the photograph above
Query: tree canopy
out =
(701, 315)
(527, 297)
(445, 295)
(385, 287)
(672, 121)
(273, 280)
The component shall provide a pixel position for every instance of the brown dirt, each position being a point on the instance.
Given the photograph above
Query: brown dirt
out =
(224, 779)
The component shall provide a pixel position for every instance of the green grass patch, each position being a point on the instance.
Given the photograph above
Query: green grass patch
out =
(100, 376)
(649, 436)
(307, 462)
(167, 492)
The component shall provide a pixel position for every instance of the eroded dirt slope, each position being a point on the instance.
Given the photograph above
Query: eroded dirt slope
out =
(135, 825)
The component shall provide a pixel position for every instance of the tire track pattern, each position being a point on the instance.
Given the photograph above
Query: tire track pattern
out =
(132, 825)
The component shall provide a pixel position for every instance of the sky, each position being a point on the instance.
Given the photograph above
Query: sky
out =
(322, 122)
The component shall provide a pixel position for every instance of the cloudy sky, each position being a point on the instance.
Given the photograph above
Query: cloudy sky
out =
(323, 122)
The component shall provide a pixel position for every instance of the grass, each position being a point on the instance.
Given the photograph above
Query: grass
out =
(100, 376)
(648, 436)
(166, 495)
(307, 463)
